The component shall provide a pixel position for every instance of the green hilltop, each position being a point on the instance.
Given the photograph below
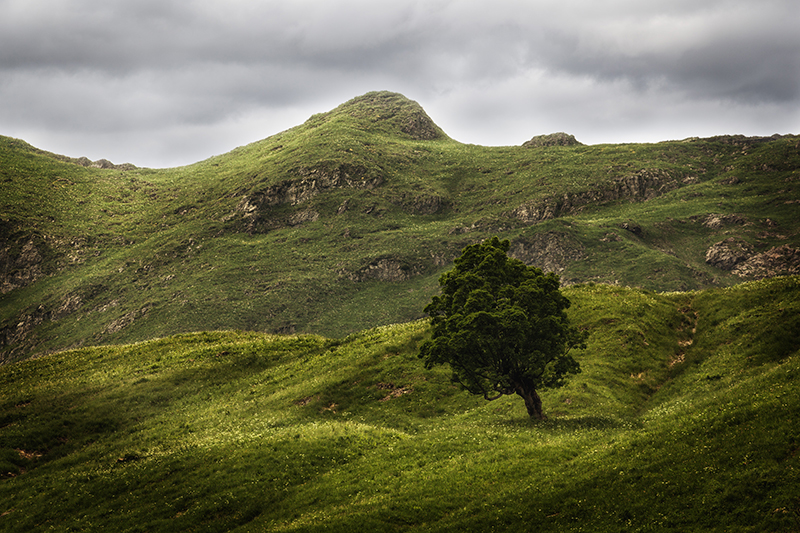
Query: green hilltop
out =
(346, 221)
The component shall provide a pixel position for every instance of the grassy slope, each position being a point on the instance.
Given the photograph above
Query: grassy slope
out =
(129, 255)
(684, 418)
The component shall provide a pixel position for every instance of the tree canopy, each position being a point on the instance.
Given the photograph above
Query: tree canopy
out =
(501, 326)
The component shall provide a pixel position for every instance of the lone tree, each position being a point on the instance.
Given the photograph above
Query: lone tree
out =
(502, 326)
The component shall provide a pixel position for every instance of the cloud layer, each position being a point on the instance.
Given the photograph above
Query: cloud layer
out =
(168, 82)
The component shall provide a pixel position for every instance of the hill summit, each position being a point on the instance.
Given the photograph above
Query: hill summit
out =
(385, 112)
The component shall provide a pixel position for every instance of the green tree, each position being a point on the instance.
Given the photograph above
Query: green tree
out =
(501, 326)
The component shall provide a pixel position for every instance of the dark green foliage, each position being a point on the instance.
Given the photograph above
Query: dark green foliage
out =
(502, 326)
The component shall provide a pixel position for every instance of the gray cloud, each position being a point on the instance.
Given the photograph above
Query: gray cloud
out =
(165, 82)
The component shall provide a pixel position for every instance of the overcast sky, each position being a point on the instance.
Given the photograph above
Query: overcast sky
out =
(163, 83)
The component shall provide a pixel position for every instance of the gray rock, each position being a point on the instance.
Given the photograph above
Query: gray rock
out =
(552, 139)
(385, 269)
(551, 251)
(726, 254)
(643, 185)
(777, 261)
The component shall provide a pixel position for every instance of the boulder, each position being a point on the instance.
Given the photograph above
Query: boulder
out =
(726, 254)
(385, 269)
(551, 251)
(552, 139)
(777, 261)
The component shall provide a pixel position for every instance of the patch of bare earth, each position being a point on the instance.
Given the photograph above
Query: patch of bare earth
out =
(394, 391)
(691, 319)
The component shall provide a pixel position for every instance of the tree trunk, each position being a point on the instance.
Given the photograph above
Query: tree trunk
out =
(532, 401)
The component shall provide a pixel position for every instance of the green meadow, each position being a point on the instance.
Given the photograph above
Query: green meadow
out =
(685, 417)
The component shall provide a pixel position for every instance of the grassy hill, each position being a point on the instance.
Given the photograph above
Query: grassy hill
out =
(315, 229)
(685, 418)
(243, 335)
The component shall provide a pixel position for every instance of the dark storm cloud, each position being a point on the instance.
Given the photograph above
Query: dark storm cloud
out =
(159, 82)
(741, 51)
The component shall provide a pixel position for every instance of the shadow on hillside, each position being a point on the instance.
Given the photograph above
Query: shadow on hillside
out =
(571, 423)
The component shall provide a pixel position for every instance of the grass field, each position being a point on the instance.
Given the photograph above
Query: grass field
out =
(232, 345)
(684, 418)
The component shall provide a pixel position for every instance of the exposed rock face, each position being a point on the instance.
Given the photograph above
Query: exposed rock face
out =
(638, 187)
(778, 261)
(741, 140)
(20, 263)
(426, 205)
(552, 139)
(422, 204)
(17, 338)
(727, 254)
(301, 217)
(551, 251)
(714, 221)
(124, 321)
(737, 255)
(312, 182)
(255, 208)
(633, 227)
(385, 269)
(418, 125)
(21, 336)
(101, 163)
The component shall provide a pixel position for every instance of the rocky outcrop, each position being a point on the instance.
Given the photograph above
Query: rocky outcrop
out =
(726, 254)
(632, 227)
(737, 256)
(418, 125)
(778, 261)
(385, 269)
(19, 337)
(641, 186)
(741, 140)
(101, 163)
(311, 182)
(422, 204)
(533, 212)
(551, 251)
(255, 208)
(22, 258)
(20, 270)
(716, 221)
(552, 139)
(301, 217)
(125, 320)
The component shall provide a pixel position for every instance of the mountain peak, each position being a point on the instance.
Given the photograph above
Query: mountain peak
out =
(389, 112)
